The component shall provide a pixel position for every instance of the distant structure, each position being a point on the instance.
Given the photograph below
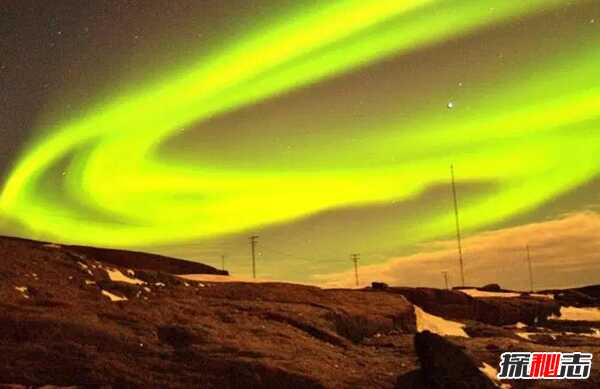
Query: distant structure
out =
(530, 270)
(355, 258)
(458, 238)
(253, 242)
(445, 274)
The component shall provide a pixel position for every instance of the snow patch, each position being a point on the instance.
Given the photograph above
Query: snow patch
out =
(88, 282)
(113, 297)
(520, 325)
(85, 268)
(525, 335)
(219, 278)
(160, 284)
(23, 290)
(52, 246)
(543, 296)
(116, 275)
(438, 325)
(578, 314)
(482, 294)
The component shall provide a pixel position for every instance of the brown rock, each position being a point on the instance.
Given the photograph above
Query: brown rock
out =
(446, 365)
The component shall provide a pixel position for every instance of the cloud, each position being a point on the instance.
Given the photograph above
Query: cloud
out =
(565, 252)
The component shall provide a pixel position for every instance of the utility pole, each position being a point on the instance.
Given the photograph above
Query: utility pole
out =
(355, 258)
(223, 262)
(530, 270)
(458, 239)
(445, 274)
(253, 239)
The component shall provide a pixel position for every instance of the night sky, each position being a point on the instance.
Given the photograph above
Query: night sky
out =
(325, 127)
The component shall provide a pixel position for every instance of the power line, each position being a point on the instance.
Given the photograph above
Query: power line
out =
(293, 256)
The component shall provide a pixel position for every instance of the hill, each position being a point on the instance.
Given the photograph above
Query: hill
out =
(80, 317)
(123, 258)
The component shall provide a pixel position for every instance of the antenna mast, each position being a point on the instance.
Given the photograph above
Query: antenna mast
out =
(253, 239)
(355, 258)
(458, 238)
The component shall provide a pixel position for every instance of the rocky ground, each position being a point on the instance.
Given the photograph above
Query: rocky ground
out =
(83, 317)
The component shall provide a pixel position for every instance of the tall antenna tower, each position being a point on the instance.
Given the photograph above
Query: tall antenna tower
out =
(355, 258)
(253, 239)
(458, 238)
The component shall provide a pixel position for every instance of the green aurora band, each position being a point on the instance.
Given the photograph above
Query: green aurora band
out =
(121, 191)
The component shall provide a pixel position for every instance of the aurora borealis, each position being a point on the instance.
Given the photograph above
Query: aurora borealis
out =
(324, 125)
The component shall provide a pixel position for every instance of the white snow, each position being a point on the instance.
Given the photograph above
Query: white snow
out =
(88, 282)
(147, 289)
(23, 290)
(160, 284)
(438, 325)
(52, 246)
(85, 268)
(525, 335)
(113, 297)
(492, 374)
(218, 278)
(544, 296)
(481, 294)
(578, 314)
(116, 275)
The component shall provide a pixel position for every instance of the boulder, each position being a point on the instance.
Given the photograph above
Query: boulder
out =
(491, 288)
(455, 305)
(447, 365)
(379, 285)
(575, 298)
(178, 336)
